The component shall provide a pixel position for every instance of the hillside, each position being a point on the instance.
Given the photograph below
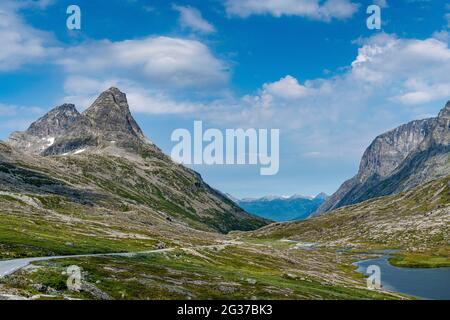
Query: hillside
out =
(416, 221)
(82, 183)
(399, 160)
(104, 185)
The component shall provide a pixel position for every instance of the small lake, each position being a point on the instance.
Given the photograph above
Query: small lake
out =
(424, 283)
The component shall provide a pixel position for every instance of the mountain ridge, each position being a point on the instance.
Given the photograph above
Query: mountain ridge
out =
(398, 160)
(107, 122)
(276, 197)
(416, 220)
(282, 208)
(105, 150)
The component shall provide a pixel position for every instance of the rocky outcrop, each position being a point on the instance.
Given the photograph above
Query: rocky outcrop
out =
(110, 117)
(399, 160)
(107, 122)
(43, 133)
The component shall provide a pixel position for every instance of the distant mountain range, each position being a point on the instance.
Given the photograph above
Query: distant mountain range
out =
(399, 160)
(415, 220)
(282, 208)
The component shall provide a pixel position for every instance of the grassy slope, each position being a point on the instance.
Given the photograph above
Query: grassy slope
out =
(58, 227)
(247, 271)
(416, 221)
(437, 258)
(103, 203)
(122, 216)
(56, 218)
(117, 182)
(163, 186)
(75, 229)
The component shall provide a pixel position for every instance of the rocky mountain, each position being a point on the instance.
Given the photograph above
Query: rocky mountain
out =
(42, 133)
(101, 158)
(321, 196)
(399, 160)
(416, 220)
(107, 123)
(92, 183)
(296, 207)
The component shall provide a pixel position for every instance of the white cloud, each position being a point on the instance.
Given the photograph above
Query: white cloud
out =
(312, 154)
(151, 70)
(286, 88)
(7, 110)
(314, 9)
(423, 93)
(443, 36)
(82, 91)
(192, 18)
(21, 44)
(384, 59)
(161, 61)
(385, 64)
(42, 4)
(391, 81)
(14, 117)
(154, 102)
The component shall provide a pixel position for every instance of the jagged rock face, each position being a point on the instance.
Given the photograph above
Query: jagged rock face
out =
(445, 113)
(440, 135)
(399, 160)
(110, 117)
(43, 133)
(107, 122)
(388, 150)
(56, 122)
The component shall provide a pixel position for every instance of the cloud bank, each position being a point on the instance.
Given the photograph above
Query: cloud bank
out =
(313, 9)
(389, 80)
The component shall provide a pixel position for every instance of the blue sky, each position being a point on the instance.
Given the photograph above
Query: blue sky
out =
(310, 68)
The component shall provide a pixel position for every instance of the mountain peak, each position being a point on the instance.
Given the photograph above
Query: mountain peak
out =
(445, 113)
(66, 107)
(110, 99)
(55, 122)
(321, 196)
(63, 130)
(114, 90)
(110, 117)
(398, 160)
(43, 132)
(119, 96)
(299, 196)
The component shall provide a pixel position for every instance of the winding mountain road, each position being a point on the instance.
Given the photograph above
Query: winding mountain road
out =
(8, 267)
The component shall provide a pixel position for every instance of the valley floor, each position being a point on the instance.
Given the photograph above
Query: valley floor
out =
(300, 260)
(231, 270)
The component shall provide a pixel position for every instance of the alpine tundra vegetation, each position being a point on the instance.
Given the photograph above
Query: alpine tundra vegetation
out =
(91, 190)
